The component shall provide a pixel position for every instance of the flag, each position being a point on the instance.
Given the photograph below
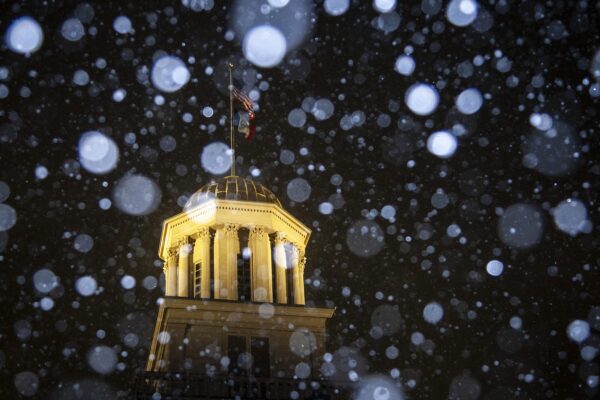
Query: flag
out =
(246, 120)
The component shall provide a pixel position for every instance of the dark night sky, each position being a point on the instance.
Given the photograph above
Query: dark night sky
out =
(538, 57)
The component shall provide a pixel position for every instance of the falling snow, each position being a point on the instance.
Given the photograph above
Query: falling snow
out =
(443, 155)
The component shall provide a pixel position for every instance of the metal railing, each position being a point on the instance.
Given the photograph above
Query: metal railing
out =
(172, 385)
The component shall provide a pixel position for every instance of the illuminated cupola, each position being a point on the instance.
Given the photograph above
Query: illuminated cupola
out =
(234, 287)
(232, 232)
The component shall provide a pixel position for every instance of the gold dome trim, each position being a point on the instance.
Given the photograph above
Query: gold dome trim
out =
(232, 188)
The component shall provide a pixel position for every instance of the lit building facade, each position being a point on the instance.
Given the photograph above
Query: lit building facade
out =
(234, 305)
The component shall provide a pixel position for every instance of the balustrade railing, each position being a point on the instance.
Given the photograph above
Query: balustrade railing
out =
(164, 386)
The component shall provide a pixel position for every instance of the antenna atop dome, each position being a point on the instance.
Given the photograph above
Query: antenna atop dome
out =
(232, 143)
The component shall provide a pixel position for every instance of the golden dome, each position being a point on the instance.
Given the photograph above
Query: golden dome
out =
(232, 188)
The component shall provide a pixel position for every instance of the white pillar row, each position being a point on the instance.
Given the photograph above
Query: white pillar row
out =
(183, 270)
(226, 250)
(260, 264)
(202, 256)
(171, 277)
(280, 267)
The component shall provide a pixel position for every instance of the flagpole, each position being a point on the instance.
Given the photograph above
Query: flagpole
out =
(231, 142)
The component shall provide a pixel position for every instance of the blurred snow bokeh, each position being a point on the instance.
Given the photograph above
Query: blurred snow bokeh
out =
(137, 195)
(24, 35)
(443, 154)
(422, 99)
(269, 31)
(98, 153)
(264, 46)
(169, 74)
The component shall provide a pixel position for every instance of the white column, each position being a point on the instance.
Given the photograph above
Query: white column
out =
(260, 264)
(226, 249)
(166, 273)
(301, 265)
(298, 263)
(295, 261)
(233, 250)
(171, 278)
(202, 256)
(183, 271)
(280, 267)
(218, 243)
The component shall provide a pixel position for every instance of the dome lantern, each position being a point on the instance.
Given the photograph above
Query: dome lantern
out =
(235, 233)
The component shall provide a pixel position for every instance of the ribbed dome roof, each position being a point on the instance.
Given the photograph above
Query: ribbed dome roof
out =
(232, 188)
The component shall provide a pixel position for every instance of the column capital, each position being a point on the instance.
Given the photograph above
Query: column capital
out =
(301, 252)
(299, 246)
(302, 264)
(257, 230)
(173, 251)
(185, 249)
(183, 241)
(203, 233)
(279, 238)
(232, 227)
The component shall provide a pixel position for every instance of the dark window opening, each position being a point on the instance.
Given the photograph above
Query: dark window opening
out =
(243, 269)
(261, 366)
(243, 278)
(256, 362)
(236, 351)
(289, 274)
(212, 267)
(197, 279)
